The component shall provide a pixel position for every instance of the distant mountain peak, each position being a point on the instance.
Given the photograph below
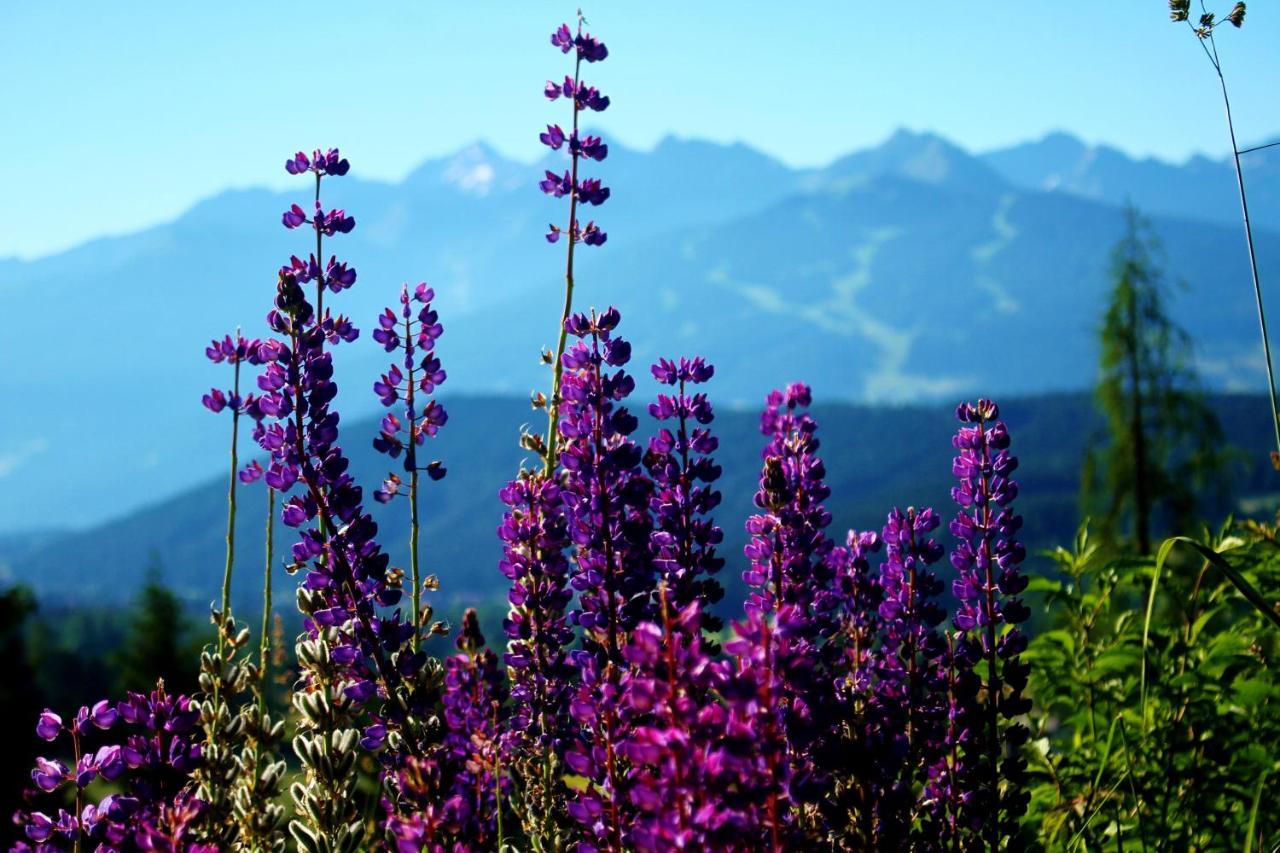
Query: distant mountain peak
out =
(1202, 187)
(476, 170)
(923, 157)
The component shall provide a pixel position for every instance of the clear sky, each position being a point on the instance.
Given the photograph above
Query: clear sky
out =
(120, 115)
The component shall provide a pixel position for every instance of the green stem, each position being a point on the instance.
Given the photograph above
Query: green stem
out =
(75, 742)
(411, 456)
(1212, 53)
(557, 368)
(497, 791)
(264, 647)
(231, 530)
(319, 263)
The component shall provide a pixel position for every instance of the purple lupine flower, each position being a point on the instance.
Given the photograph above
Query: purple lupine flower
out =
(49, 725)
(320, 163)
(606, 497)
(591, 147)
(414, 333)
(348, 575)
(157, 751)
(562, 38)
(860, 597)
(683, 543)
(372, 661)
(589, 48)
(324, 222)
(792, 579)
(235, 352)
(413, 330)
(579, 190)
(679, 787)
(788, 548)
(534, 540)
(606, 500)
(553, 138)
(903, 721)
(172, 827)
(49, 775)
(952, 777)
(754, 749)
(601, 806)
(474, 696)
(987, 559)
(422, 823)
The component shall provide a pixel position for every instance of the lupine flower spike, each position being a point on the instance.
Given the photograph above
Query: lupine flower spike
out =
(348, 654)
(223, 675)
(579, 190)
(683, 543)
(413, 330)
(987, 558)
(606, 498)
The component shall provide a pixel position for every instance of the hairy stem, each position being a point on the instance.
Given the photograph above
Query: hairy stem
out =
(264, 644)
(411, 457)
(225, 613)
(557, 368)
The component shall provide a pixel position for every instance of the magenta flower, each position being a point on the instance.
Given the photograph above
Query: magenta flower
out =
(49, 725)
(584, 97)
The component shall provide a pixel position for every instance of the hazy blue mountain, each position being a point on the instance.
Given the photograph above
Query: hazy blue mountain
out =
(911, 271)
(924, 158)
(869, 468)
(1201, 188)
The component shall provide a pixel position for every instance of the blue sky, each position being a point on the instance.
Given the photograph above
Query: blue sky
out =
(118, 116)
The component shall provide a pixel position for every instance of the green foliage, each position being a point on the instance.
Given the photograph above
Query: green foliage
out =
(158, 641)
(18, 702)
(1158, 733)
(1161, 449)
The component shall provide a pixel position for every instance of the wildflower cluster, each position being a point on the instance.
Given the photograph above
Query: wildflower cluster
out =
(147, 746)
(841, 710)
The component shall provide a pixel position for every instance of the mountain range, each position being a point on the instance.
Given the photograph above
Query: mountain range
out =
(869, 468)
(913, 271)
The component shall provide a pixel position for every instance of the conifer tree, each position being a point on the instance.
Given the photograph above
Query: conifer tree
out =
(1159, 455)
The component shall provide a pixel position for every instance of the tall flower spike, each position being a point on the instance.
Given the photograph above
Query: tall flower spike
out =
(679, 461)
(350, 654)
(904, 720)
(987, 558)
(334, 275)
(474, 713)
(606, 496)
(792, 581)
(851, 656)
(534, 540)
(456, 795)
(413, 331)
(606, 500)
(579, 190)
(223, 675)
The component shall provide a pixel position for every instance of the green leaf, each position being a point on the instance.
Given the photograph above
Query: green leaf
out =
(1250, 692)
(1217, 561)
(1040, 583)
(1252, 828)
(1116, 661)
